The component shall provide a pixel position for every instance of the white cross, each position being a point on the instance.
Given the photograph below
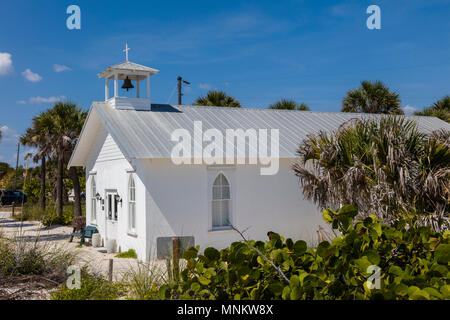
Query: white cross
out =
(126, 50)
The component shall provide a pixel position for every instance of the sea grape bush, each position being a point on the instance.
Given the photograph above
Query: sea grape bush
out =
(414, 264)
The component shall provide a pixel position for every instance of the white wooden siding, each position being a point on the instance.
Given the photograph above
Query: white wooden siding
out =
(109, 151)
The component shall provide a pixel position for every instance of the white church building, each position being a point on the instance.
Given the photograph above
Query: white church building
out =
(137, 191)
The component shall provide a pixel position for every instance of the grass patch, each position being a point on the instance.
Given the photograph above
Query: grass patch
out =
(19, 257)
(143, 283)
(93, 287)
(127, 254)
(49, 216)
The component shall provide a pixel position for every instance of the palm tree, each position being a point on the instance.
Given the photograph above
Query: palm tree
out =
(385, 167)
(440, 109)
(68, 121)
(303, 107)
(218, 99)
(372, 97)
(39, 136)
(286, 104)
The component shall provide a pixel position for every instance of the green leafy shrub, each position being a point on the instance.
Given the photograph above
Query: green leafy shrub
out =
(93, 287)
(127, 254)
(413, 262)
(52, 218)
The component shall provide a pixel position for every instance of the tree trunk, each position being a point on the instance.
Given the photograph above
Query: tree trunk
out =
(42, 198)
(59, 186)
(76, 190)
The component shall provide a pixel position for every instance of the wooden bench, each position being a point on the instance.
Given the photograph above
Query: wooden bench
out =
(83, 234)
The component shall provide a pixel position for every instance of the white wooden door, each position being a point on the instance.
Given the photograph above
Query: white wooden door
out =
(112, 214)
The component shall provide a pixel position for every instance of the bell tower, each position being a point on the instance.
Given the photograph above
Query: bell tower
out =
(129, 72)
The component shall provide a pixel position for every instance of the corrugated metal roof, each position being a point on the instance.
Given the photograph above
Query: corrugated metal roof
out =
(147, 134)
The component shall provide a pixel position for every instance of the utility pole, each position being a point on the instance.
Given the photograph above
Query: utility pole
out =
(17, 165)
(15, 177)
(180, 81)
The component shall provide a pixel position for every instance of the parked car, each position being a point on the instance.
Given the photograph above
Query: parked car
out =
(7, 197)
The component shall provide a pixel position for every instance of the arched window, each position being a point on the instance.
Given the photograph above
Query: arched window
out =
(131, 205)
(93, 200)
(221, 202)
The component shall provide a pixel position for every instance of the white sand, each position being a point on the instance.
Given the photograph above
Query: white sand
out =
(96, 259)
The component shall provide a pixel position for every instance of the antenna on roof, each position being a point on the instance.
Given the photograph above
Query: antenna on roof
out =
(180, 82)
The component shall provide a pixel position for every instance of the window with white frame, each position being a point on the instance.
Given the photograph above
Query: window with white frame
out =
(221, 202)
(131, 205)
(93, 200)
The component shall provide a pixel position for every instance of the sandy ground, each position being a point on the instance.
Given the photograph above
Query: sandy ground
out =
(96, 259)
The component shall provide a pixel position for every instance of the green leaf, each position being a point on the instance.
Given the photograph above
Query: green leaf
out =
(396, 270)
(295, 293)
(401, 289)
(300, 247)
(204, 281)
(377, 228)
(295, 281)
(373, 256)
(412, 289)
(212, 254)
(276, 288)
(190, 253)
(195, 286)
(327, 216)
(442, 253)
(348, 210)
(286, 293)
(445, 290)
(289, 244)
(363, 263)
(433, 292)
(419, 295)
(439, 268)
(322, 248)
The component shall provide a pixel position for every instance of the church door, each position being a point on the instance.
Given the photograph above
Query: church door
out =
(112, 214)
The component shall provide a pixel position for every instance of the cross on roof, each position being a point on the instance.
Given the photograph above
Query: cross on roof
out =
(126, 50)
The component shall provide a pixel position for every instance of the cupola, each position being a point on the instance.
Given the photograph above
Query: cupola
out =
(128, 72)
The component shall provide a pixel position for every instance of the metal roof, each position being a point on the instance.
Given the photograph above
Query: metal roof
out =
(147, 134)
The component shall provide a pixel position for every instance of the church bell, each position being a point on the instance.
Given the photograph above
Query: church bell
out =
(127, 84)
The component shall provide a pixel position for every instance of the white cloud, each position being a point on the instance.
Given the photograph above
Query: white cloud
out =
(60, 68)
(22, 102)
(31, 76)
(409, 109)
(9, 135)
(6, 66)
(46, 100)
(205, 86)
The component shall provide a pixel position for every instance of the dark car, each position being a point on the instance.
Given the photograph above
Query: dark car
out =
(7, 197)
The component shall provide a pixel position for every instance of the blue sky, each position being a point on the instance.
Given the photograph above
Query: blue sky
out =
(257, 51)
